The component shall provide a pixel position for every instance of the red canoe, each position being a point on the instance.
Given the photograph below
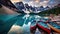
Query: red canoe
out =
(40, 27)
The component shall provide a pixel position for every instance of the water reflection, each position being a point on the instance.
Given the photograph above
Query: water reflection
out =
(23, 23)
(19, 24)
(20, 27)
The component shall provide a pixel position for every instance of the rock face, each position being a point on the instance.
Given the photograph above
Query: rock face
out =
(7, 3)
(6, 6)
(0, 6)
(5, 10)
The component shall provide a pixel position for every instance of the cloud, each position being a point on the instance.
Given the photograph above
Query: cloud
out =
(15, 1)
(37, 3)
(16, 29)
(40, 2)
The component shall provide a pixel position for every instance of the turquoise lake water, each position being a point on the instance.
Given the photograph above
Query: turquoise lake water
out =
(7, 21)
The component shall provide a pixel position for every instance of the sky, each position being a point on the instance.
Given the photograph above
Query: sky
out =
(38, 3)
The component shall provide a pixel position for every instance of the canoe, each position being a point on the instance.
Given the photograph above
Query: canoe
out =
(53, 28)
(40, 27)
